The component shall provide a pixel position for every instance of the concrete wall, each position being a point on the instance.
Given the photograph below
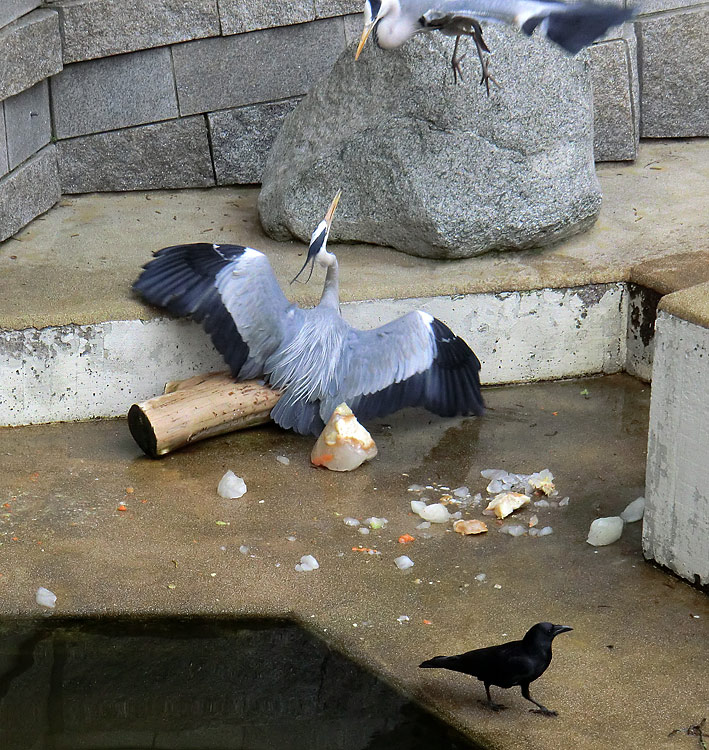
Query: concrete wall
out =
(676, 524)
(190, 93)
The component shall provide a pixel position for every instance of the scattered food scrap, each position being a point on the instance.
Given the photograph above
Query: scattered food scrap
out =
(343, 444)
(376, 523)
(122, 507)
(406, 539)
(472, 526)
(506, 502)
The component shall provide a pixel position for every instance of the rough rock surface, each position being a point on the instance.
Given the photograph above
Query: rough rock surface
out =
(434, 169)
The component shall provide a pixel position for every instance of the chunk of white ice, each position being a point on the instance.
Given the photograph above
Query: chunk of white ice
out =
(349, 521)
(546, 531)
(244, 549)
(283, 460)
(306, 564)
(564, 501)
(605, 531)
(231, 487)
(513, 530)
(363, 530)
(403, 562)
(424, 525)
(461, 492)
(481, 577)
(401, 619)
(45, 597)
(435, 513)
(634, 511)
(417, 506)
(376, 523)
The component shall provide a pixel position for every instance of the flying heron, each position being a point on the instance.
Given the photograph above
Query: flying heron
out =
(315, 357)
(572, 26)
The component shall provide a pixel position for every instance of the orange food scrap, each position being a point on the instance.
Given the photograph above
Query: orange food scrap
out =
(406, 538)
(427, 622)
(555, 413)
(34, 476)
(122, 507)
(15, 539)
(6, 505)
(129, 490)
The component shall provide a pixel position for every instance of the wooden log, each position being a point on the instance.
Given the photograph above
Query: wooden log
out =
(198, 408)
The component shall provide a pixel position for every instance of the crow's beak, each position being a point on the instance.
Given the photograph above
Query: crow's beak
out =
(365, 35)
(561, 629)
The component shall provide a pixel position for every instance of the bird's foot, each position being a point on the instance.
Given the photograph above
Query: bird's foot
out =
(543, 711)
(492, 705)
(486, 78)
(457, 70)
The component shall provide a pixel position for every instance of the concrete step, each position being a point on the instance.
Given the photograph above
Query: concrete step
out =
(77, 344)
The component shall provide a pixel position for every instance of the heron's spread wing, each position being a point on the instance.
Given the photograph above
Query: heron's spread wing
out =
(572, 26)
(413, 361)
(231, 290)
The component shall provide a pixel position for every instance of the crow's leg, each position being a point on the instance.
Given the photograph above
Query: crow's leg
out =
(490, 703)
(540, 709)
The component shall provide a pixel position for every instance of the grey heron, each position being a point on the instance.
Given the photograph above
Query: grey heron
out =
(572, 26)
(315, 357)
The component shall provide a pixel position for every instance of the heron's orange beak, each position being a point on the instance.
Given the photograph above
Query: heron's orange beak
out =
(365, 35)
(331, 211)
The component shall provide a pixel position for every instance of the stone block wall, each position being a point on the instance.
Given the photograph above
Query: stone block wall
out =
(140, 94)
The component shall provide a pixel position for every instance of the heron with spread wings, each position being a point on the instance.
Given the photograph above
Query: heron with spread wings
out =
(572, 26)
(315, 357)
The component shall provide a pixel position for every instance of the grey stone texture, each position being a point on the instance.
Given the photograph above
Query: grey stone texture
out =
(172, 154)
(11, 10)
(324, 8)
(97, 28)
(4, 167)
(242, 138)
(28, 191)
(435, 169)
(674, 74)
(28, 123)
(256, 67)
(615, 106)
(654, 6)
(113, 93)
(239, 16)
(30, 51)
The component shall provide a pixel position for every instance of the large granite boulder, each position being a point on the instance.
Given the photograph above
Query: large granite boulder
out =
(434, 169)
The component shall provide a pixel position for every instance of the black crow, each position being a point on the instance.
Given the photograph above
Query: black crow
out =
(513, 663)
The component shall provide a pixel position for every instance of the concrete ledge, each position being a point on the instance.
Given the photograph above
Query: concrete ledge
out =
(60, 373)
(676, 524)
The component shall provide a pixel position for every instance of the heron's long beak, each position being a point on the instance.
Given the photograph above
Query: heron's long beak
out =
(365, 35)
(319, 239)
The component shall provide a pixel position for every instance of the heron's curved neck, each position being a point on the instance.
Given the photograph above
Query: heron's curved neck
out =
(331, 290)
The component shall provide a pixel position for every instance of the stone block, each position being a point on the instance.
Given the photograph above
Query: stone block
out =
(260, 66)
(98, 28)
(4, 166)
(172, 154)
(30, 51)
(615, 107)
(440, 171)
(674, 74)
(11, 10)
(239, 16)
(655, 6)
(242, 138)
(353, 28)
(325, 8)
(28, 191)
(27, 122)
(676, 523)
(113, 93)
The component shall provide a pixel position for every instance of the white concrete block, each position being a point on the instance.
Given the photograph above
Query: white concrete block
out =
(78, 372)
(676, 523)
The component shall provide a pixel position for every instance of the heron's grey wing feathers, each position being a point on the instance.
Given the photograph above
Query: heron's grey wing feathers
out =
(230, 289)
(413, 361)
(572, 26)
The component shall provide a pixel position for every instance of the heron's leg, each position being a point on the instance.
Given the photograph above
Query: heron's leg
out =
(490, 703)
(540, 709)
(455, 61)
(482, 48)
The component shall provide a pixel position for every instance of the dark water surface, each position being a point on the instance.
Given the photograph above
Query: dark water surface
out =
(197, 685)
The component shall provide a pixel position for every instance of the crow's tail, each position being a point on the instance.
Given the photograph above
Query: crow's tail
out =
(574, 27)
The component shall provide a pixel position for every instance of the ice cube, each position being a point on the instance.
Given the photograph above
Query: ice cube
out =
(605, 531)
(541, 503)
(634, 511)
(231, 487)
(493, 473)
(481, 577)
(546, 531)
(461, 492)
(244, 549)
(283, 460)
(417, 506)
(435, 513)
(415, 488)
(45, 597)
(350, 521)
(306, 564)
(401, 619)
(403, 562)
(564, 502)
(516, 530)
(363, 530)
(424, 525)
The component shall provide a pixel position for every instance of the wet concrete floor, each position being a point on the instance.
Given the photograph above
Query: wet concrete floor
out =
(633, 669)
